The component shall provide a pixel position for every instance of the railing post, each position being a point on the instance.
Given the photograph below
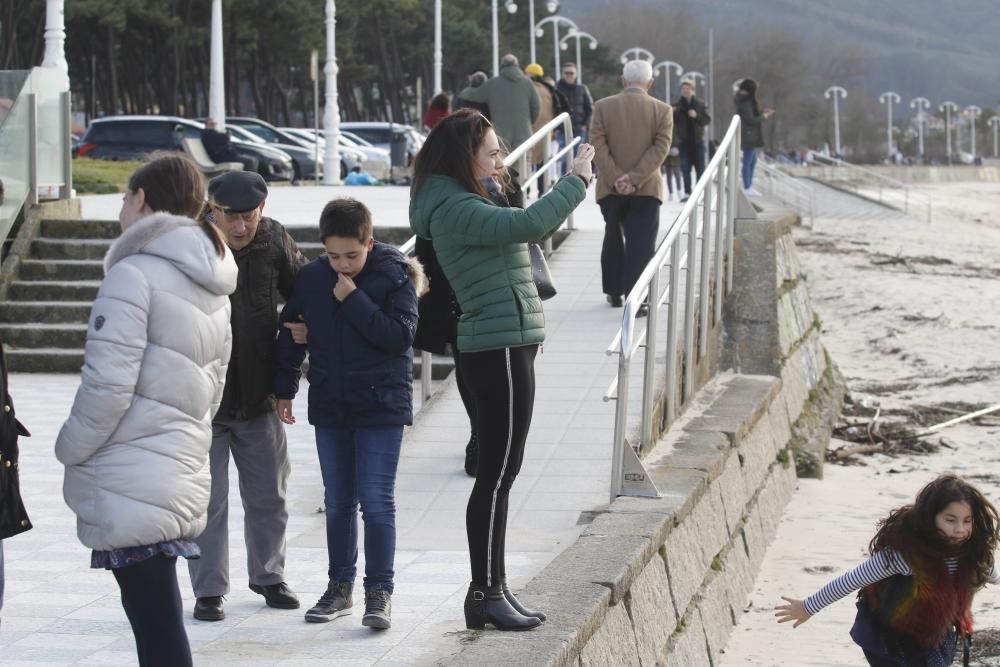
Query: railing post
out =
(66, 191)
(706, 261)
(567, 135)
(671, 355)
(721, 211)
(649, 365)
(734, 167)
(32, 150)
(621, 419)
(689, 281)
(426, 373)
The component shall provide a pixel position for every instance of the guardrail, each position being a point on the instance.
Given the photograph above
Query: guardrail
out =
(787, 189)
(872, 185)
(35, 150)
(537, 182)
(699, 243)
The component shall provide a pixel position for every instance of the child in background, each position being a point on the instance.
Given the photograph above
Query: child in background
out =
(928, 560)
(359, 300)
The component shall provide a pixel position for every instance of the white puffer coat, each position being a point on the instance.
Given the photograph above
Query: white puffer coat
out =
(136, 443)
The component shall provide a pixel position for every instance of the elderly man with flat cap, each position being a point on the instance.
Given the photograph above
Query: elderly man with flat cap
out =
(246, 424)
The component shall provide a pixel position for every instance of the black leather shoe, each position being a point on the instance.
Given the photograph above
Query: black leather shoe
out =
(472, 456)
(209, 609)
(516, 604)
(615, 300)
(279, 595)
(488, 605)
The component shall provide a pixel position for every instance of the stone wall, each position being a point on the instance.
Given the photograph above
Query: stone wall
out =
(662, 581)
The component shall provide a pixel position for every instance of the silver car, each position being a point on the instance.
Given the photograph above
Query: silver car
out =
(376, 160)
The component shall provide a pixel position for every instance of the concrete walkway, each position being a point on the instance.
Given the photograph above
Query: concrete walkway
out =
(58, 612)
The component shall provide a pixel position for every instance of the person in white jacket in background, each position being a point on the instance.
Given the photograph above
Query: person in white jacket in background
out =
(136, 443)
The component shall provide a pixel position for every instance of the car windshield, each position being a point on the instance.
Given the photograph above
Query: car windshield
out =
(242, 134)
(356, 139)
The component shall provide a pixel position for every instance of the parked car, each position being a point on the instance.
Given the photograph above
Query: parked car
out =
(375, 160)
(380, 134)
(135, 137)
(303, 158)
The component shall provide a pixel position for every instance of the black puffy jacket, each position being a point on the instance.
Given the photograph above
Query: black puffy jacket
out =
(581, 104)
(267, 275)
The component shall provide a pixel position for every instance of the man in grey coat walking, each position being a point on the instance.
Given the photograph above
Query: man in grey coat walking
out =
(513, 102)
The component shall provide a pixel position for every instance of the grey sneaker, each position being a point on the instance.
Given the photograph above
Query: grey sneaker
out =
(336, 602)
(378, 609)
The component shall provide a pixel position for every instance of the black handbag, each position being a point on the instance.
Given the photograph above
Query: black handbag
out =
(540, 272)
(13, 516)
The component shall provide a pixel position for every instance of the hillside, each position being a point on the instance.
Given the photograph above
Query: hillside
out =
(941, 49)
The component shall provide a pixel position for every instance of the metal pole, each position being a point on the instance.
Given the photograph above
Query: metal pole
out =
(706, 254)
(32, 150)
(579, 63)
(710, 86)
(217, 75)
(621, 418)
(66, 191)
(331, 115)
(995, 122)
(55, 41)
(836, 125)
(689, 281)
(426, 373)
(531, 27)
(649, 365)
(437, 46)
(555, 45)
(734, 161)
(672, 312)
(721, 213)
(496, 41)
(314, 75)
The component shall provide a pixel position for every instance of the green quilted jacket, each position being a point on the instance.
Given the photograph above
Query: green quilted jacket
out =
(483, 251)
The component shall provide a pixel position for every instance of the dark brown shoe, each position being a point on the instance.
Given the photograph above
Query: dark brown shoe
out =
(279, 595)
(209, 609)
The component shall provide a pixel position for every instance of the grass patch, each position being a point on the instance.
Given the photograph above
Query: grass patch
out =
(102, 176)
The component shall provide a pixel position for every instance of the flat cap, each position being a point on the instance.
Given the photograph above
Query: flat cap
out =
(237, 191)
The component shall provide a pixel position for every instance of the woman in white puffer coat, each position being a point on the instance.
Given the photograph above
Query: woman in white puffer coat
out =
(136, 443)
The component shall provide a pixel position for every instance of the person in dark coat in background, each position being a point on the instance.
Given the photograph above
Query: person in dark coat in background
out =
(359, 300)
(752, 118)
(219, 146)
(690, 119)
(581, 104)
(476, 79)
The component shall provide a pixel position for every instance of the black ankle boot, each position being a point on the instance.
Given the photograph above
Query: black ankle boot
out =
(516, 604)
(472, 456)
(489, 605)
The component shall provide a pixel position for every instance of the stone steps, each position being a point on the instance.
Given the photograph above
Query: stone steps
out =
(61, 270)
(34, 335)
(54, 290)
(44, 312)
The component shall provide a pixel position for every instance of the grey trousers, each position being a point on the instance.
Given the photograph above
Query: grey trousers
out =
(260, 451)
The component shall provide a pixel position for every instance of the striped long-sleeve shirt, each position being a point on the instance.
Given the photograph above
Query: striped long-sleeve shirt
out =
(882, 565)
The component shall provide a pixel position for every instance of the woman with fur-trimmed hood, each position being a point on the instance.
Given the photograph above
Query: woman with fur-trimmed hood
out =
(136, 443)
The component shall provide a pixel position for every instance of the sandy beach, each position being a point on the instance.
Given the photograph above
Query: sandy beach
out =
(911, 315)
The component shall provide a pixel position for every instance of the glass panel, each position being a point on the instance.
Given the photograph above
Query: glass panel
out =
(11, 83)
(14, 143)
(52, 135)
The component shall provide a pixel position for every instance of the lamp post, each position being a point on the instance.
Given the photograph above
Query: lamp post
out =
(551, 6)
(564, 45)
(216, 75)
(888, 98)
(667, 66)
(331, 111)
(555, 21)
(994, 122)
(948, 108)
(635, 53)
(837, 93)
(437, 46)
(55, 41)
(511, 8)
(973, 112)
(921, 104)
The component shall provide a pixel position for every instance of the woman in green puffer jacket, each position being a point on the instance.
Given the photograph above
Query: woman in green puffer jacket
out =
(483, 251)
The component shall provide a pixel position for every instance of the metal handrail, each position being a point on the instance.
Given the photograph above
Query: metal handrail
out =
(886, 187)
(804, 200)
(709, 249)
(520, 156)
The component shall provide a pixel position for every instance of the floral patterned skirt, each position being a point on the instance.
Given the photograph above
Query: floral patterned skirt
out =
(118, 558)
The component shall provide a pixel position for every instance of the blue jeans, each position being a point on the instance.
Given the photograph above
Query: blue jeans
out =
(749, 163)
(692, 155)
(359, 466)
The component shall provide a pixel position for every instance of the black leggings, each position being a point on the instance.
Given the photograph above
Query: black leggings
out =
(152, 602)
(502, 384)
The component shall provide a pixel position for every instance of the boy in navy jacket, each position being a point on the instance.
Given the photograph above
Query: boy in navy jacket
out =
(359, 302)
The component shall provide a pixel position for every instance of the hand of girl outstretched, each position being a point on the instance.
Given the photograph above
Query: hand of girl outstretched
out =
(582, 162)
(795, 610)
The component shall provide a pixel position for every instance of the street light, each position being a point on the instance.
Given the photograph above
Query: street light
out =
(331, 112)
(564, 45)
(216, 73)
(948, 108)
(511, 7)
(921, 104)
(555, 21)
(551, 6)
(888, 98)
(437, 46)
(667, 66)
(973, 112)
(638, 52)
(837, 93)
(994, 122)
